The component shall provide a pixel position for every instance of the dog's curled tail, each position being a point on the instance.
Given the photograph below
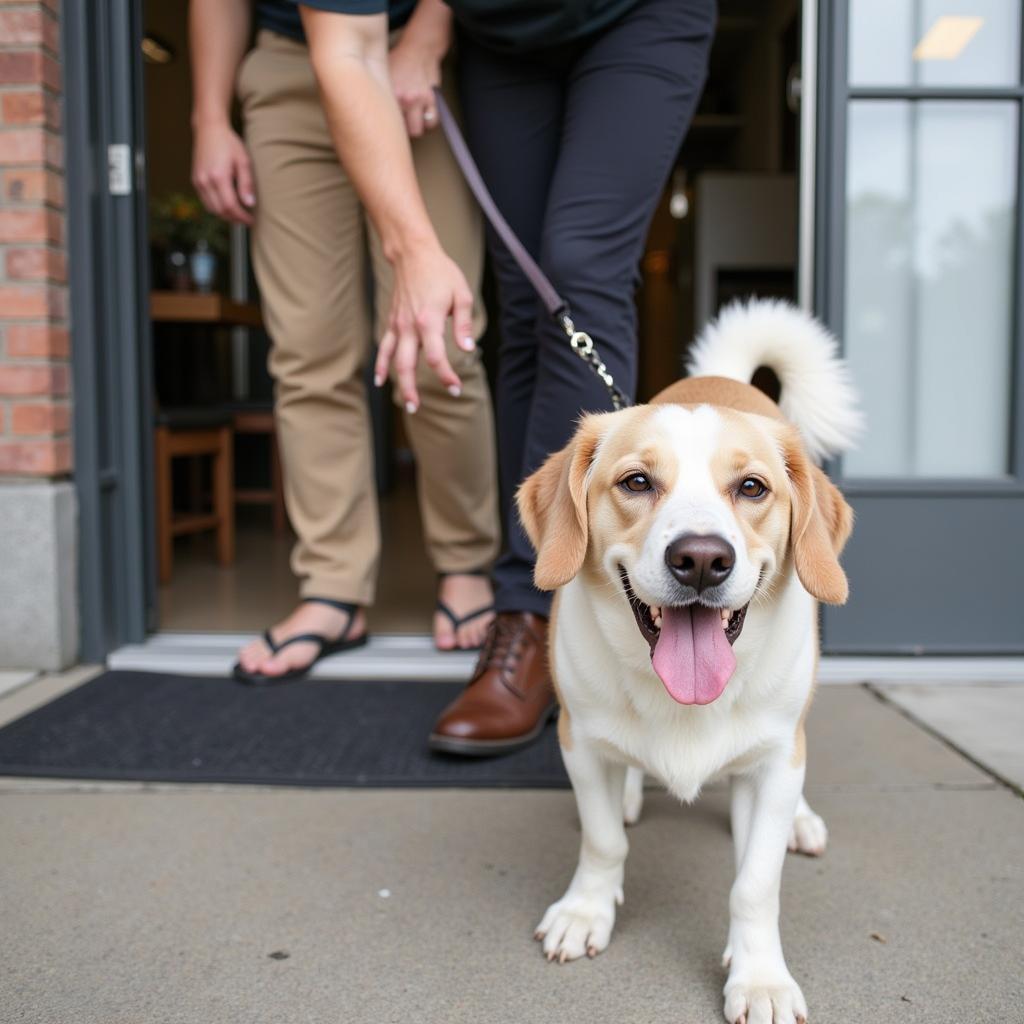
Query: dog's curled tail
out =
(817, 393)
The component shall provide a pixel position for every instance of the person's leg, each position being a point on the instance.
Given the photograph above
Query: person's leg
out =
(630, 96)
(308, 255)
(513, 112)
(453, 438)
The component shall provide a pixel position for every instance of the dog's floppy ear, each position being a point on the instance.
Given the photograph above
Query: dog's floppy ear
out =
(553, 507)
(820, 523)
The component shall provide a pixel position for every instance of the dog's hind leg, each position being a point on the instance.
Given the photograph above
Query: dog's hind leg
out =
(633, 796)
(808, 834)
(582, 920)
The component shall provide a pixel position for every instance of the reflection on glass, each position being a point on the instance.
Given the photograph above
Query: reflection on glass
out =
(934, 42)
(930, 205)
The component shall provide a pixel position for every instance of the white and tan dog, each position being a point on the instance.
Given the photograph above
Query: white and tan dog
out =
(690, 541)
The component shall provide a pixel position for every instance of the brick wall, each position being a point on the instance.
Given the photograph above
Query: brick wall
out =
(34, 372)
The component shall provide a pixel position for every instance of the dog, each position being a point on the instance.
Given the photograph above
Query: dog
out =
(689, 541)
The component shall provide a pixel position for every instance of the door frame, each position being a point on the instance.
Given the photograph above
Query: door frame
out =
(833, 97)
(111, 354)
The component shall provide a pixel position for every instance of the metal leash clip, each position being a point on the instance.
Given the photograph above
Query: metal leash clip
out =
(583, 345)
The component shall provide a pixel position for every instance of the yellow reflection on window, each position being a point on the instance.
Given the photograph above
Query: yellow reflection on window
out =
(946, 39)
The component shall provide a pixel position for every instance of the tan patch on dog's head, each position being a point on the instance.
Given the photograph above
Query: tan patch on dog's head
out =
(553, 508)
(571, 500)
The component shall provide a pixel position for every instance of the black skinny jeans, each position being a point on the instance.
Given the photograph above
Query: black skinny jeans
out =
(575, 146)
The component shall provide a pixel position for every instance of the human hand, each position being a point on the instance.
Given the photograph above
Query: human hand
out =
(222, 172)
(415, 70)
(429, 288)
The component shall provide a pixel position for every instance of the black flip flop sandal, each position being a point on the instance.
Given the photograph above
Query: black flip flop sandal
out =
(457, 620)
(326, 647)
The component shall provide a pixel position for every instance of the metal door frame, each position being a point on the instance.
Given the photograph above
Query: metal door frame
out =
(109, 286)
(833, 95)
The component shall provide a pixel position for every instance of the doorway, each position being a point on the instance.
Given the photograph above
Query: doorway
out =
(726, 227)
(209, 353)
(900, 170)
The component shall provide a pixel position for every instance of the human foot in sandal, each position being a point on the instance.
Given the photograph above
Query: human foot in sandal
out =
(319, 627)
(465, 610)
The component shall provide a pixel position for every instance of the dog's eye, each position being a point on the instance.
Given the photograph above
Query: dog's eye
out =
(753, 488)
(637, 483)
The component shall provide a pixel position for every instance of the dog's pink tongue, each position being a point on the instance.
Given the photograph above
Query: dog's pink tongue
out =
(692, 656)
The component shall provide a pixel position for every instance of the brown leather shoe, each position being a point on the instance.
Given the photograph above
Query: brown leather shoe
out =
(509, 699)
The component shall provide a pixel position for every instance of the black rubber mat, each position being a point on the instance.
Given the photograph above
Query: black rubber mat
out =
(141, 725)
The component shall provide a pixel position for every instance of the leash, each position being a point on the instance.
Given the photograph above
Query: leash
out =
(581, 342)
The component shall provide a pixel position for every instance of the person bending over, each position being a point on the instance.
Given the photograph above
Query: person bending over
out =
(309, 230)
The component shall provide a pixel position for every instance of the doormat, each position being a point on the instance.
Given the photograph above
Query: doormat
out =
(170, 728)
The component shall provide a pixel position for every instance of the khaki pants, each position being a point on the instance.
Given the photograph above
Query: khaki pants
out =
(309, 254)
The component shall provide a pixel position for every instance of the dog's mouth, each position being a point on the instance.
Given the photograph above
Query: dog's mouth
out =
(691, 645)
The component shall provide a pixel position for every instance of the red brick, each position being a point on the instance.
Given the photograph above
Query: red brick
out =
(53, 6)
(36, 458)
(37, 341)
(21, 26)
(34, 380)
(3, 418)
(36, 225)
(30, 106)
(36, 265)
(40, 418)
(28, 302)
(21, 68)
(29, 67)
(33, 184)
(22, 146)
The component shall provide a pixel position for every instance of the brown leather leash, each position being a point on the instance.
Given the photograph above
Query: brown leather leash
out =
(581, 342)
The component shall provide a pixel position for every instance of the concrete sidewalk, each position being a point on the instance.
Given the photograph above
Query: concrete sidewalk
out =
(131, 904)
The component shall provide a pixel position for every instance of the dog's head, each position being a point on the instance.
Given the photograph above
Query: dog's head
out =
(689, 512)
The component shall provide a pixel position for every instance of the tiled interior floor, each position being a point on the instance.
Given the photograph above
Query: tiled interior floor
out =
(259, 589)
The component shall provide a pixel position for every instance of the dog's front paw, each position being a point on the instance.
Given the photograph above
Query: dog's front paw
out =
(808, 834)
(578, 923)
(764, 997)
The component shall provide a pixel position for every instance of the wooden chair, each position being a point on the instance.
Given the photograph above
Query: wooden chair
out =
(258, 419)
(195, 433)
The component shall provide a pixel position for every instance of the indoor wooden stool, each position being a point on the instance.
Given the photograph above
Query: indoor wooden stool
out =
(256, 418)
(196, 433)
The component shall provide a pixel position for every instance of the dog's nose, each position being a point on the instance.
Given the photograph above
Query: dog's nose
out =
(700, 560)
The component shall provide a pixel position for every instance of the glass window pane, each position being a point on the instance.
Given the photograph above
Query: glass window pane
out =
(930, 209)
(934, 42)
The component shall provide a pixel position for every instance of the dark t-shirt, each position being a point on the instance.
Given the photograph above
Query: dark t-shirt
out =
(526, 26)
(514, 26)
(282, 16)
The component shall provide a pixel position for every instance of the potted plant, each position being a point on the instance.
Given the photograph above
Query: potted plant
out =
(191, 237)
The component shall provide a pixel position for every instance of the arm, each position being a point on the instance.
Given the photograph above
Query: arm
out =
(415, 64)
(221, 169)
(350, 58)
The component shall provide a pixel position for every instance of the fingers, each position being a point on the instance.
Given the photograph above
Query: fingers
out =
(245, 184)
(216, 189)
(462, 319)
(385, 351)
(231, 206)
(432, 339)
(406, 352)
(414, 120)
(419, 112)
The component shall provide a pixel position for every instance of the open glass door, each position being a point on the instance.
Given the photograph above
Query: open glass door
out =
(919, 257)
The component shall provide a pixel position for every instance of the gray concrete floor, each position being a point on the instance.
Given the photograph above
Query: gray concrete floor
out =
(133, 904)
